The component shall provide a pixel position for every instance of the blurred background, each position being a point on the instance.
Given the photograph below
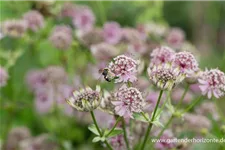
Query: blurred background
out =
(202, 22)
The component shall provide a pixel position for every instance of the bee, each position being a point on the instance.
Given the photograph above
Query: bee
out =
(108, 75)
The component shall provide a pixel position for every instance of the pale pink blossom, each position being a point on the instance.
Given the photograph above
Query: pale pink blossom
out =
(162, 55)
(84, 19)
(212, 83)
(164, 143)
(128, 100)
(118, 142)
(125, 68)
(112, 32)
(186, 62)
(34, 20)
(137, 48)
(176, 37)
(165, 76)
(36, 79)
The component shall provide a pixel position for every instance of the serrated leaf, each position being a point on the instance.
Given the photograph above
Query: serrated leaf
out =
(140, 117)
(157, 123)
(115, 132)
(96, 139)
(93, 129)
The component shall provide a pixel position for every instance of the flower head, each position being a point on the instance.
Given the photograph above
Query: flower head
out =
(176, 37)
(61, 37)
(84, 19)
(85, 99)
(112, 32)
(125, 68)
(162, 55)
(3, 77)
(137, 48)
(14, 28)
(165, 76)
(103, 51)
(127, 101)
(186, 62)
(36, 79)
(34, 20)
(212, 82)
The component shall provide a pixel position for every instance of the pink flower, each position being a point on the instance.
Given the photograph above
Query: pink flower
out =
(162, 55)
(128, 100)
(3, 77)
(165, 76)
(68, 10)
(118, 142)
(141, 28)
(137, 48)
(186, 62)
(34, 20)
(61, 37)
(36, 79)
(176, 37)
(112, 32)
(125, 68)
(130, 35)
(84, 19)
(44, 100)
(14, 28)
(212, 82)
(103, 51)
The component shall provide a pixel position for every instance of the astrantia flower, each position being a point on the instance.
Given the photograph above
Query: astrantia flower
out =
(164, 143)
(86, 38)
(112, 32)
(162, 55)
(15, 136)
(130, 35)
(127, 101)
(14, 28)
(176, 37)
(56, 74)
(61, 37)
(118, 142)
(84, 19)
(106, 103)
(125, 68)
(36, 79)
(3, 77)
(212, 82)
(68, 10)
(165, 76)
(103, 51)
(186, 62)
(34, 20)
(137, 48)
(85, 99)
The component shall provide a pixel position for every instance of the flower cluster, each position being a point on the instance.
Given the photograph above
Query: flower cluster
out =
(165, 76)
(85, 99)
(34, 20)
(125, 68)
(49, 86)
(14, 28)
(212, 82)
(61, 37)
(127, 101)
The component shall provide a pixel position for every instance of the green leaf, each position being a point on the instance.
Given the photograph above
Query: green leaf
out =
(140, 117)
(157, 123)
(96, 139)
(115, 132)
(93, 129)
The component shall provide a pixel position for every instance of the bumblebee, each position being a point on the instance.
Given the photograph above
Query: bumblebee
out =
(108, 75)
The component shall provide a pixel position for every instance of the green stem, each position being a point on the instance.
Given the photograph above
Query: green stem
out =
(125, 133)
(193, 104)
(117, 121)
(182, 97)
(99, 131)
(144, 116)
(152, 119)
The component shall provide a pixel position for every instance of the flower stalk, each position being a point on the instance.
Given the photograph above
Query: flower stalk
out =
(152, 119)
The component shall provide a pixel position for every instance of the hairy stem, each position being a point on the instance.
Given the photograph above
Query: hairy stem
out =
(152, 119)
